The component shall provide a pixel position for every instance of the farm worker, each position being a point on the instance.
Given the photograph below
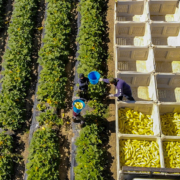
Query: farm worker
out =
(123, 88)
(83, 85)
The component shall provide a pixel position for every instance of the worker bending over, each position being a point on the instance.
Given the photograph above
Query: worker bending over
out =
(83, 86)
(123, 88)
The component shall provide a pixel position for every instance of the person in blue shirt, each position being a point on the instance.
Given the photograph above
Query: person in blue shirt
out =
(83, 85)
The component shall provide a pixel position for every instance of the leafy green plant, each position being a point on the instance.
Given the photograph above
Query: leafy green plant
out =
(1, 12)
(44, 157)
(89, 155)
(50, 118)
(54, 54)
(17, 64)
(6, 156)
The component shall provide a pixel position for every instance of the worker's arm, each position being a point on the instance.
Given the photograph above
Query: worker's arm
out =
(120, 90)
(105, 80)
(82, 84)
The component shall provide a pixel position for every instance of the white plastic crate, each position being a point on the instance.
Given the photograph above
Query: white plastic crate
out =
(148, 138)
(167, 60)
(151, 109)
(142, 85)
(135, 59)
(166, 34)
(131, 10)
(168, 108)
(164, 10)
(132, 33)
(165, 139)
(168, 87)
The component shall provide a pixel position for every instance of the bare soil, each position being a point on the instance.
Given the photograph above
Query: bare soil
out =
(111, 102)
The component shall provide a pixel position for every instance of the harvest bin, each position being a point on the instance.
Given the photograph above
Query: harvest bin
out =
(167, 60)
(142, 85)
(168, 108)
(135, 59)
(132, 33)
(151, 109)
(131, 11)
(164, 10)
(148, 138)
(168, 87)
(166, 34)
(169, 139)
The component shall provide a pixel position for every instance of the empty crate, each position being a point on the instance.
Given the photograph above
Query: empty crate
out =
(167, 60)
(166, 34)
(142, 85)
(132, 34)
(167, 10)
(151, 110)
(168, 87)
(135, 59)
(131, 11)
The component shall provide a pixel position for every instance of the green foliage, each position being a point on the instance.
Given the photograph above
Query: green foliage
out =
(6, 157)
(99, 108)
(90, 38)
(91, 51)
(54, 54)
(89, 155)
(17, 64)
(1, 12)
(43, 160)
(49, 118)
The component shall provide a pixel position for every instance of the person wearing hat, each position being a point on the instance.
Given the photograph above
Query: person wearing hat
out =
(123, 89)
(83, 86)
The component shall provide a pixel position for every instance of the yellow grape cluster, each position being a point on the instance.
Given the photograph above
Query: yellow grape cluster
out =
(139, 153)
(133, 122)
(78, 105)
(172, 154)
(170, 123)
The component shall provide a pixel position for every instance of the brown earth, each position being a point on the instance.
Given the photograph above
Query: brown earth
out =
(111, 73)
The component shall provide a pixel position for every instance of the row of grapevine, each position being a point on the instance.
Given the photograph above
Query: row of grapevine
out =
(43, 160)
(17, 65)
(90, 156)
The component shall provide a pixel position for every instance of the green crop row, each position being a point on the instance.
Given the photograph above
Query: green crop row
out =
(91, 50)
(6, 156)
(1, 12)
(44, 157)
(54, 54)
(92, 54)
(17, 65)
(89, 155)
(43, 161)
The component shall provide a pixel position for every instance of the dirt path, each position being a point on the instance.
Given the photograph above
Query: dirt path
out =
(66, 133)
(111, 107)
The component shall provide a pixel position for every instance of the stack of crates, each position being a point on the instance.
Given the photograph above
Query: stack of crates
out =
(147, 57)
